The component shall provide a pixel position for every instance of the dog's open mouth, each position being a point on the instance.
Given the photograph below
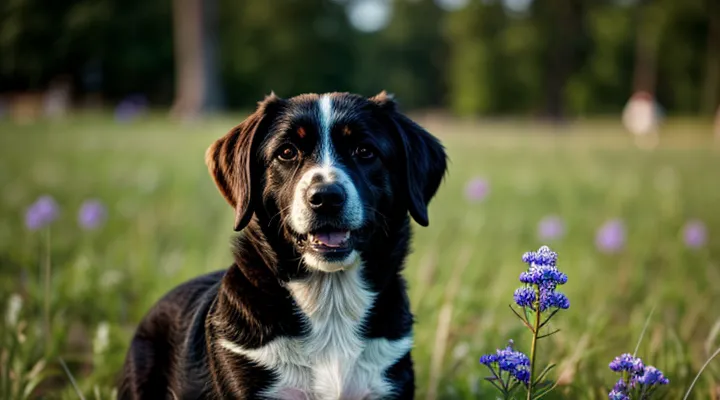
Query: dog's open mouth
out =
(327, 240)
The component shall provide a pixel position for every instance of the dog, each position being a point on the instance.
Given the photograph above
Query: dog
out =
(314, 305)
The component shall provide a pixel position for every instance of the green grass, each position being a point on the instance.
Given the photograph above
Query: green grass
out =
(168, 223)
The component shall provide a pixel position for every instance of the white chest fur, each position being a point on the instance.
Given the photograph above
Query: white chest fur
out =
(332, 361)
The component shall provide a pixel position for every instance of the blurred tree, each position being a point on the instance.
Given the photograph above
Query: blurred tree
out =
(289, 46)
(214, 94)
(681, 61)
(710, 97)
(196, 83)
(408, 58)
(134, 49)
(560, 22)
(601, 82)
(551, 57)
(472, 63)
(649, 19)
(29, 41)
(41, 39)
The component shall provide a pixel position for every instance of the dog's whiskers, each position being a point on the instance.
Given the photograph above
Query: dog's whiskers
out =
(384, 224)
(279, 213)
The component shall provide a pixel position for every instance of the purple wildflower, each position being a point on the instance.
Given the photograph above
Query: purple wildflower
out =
(92, 214)
(620, 386)
(477, 189)
(610, 238)
(544, 275)
(130, 107)
(619, 391)
(488, 359)
(652, 376)
(553, 299)
(636, 377)
(694, 234)
(543, 257)
(41, 213)
(524, 296)
(550, 228)
(514, 362)
(618, 395)
(543, 270)
(627, 363)
(522, 374)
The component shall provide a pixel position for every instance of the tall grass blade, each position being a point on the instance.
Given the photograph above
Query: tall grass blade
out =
(72, 380)
(642, 334)
(700, 372)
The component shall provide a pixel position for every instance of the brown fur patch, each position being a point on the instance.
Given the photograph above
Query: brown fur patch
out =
(301, 132)
(346, 131)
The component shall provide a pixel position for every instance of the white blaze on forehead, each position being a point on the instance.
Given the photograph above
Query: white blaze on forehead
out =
(325, 147)
(330, 170)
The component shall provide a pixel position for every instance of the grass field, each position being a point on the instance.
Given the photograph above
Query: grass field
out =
(167, 223)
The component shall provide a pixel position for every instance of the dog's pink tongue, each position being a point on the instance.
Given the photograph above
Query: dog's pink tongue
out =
(332, 239)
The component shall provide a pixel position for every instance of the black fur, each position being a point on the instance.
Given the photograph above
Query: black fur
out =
(174, 353)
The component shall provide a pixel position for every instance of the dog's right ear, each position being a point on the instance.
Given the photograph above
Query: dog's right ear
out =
(232, 160)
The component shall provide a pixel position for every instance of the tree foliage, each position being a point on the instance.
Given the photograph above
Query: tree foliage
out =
(553, 57)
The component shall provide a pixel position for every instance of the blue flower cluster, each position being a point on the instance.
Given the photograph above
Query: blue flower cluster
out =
(541, 278)
(627, 363)
(652, 376)
(512, 369)
(524, 296)
(638, 377)
(553, 300)
(541, 257)
(619, 391)
(515, 363)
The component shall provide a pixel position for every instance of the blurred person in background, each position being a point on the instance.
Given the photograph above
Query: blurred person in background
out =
(642, 117)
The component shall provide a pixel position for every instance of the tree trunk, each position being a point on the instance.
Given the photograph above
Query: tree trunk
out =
(711, 86)
(213, 99)
(564, 16)
(649, 22)
(196, 83)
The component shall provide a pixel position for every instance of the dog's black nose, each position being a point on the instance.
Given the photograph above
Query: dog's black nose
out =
(326, 198)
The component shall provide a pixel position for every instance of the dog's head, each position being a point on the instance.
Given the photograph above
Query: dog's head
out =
(327, 171)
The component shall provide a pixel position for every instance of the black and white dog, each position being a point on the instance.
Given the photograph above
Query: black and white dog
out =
(314, 306)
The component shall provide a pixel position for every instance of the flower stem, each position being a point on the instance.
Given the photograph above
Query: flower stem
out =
(47, 277)
(626, 380)
(533, 347)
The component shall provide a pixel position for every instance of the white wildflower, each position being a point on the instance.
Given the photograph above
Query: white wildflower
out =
(461, 351)
(102, 338)
(110, 278)
(13, 309)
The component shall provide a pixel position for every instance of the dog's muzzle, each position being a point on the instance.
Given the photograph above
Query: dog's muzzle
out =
(326, 214)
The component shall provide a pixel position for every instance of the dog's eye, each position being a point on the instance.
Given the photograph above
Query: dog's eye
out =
(364, 152)
(287, 153)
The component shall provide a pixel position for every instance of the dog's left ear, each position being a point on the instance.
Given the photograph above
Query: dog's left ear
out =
(425, 161)
(232, 160)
